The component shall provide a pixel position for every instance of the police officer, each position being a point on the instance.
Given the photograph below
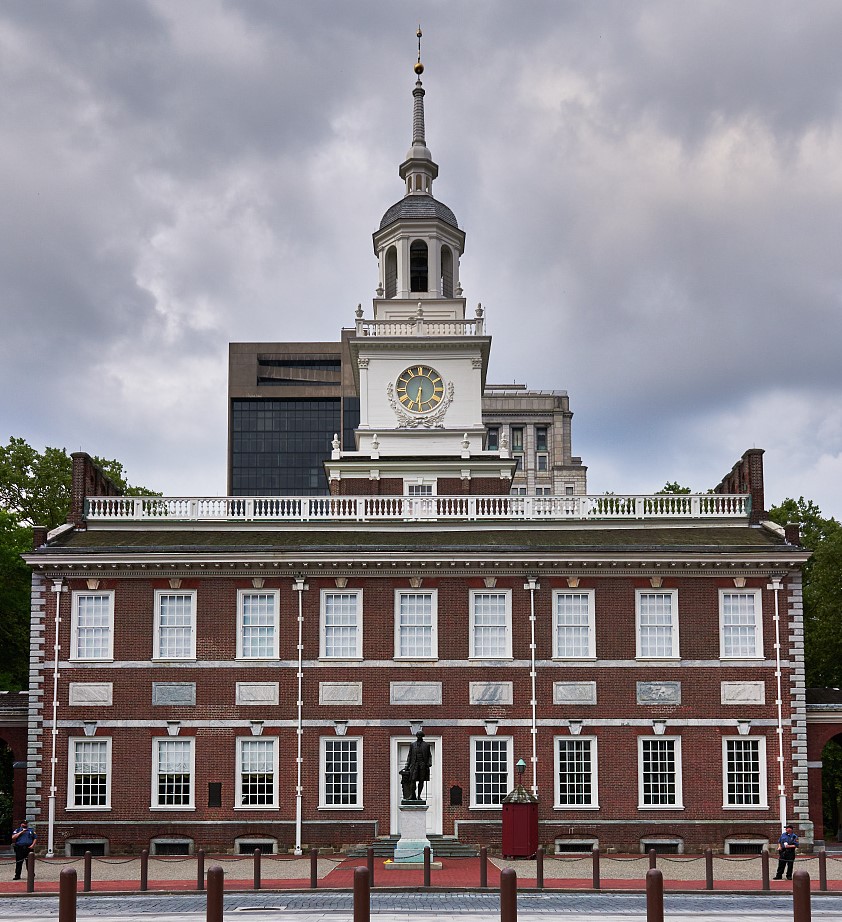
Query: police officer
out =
(787, 844)
(23, 840)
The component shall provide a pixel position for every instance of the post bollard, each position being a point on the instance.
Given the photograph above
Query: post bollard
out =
(801, 911)
(200, 870)
(86, 883)
(595, 858)
(257, 869)
(427, 882)
(654, 895)
(67, 895)
(144, 870)
(483, 867)
(362, 895)
(764, 869)
(216, 890)
(539, 868)
(369, 855)
(708, 869)
(30, 872)
(314, 868)
(653, 859)
(508, 895)
(822, 870)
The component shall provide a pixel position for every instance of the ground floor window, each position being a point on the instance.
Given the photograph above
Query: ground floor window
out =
(257, 769)
(659, 771)
(341, 774)
(491, 772)
(576, 772)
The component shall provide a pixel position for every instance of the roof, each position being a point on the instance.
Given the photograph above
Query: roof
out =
(418, 208)
(832, 696)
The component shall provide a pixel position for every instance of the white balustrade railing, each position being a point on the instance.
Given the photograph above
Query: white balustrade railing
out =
(415, 508)
(420, 327)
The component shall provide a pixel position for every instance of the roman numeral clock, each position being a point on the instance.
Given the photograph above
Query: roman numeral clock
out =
(420, 397)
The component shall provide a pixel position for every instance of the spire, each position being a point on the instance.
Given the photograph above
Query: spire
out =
(418, 105)
(418, 170)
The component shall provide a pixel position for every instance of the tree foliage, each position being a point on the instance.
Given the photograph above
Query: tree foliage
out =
(673, 487)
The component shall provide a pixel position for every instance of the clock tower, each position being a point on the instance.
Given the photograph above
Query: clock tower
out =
(419, 362)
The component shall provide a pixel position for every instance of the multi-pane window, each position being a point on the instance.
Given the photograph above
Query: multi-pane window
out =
(744, 764)
(175, 625)
(415, 625)
(542, 462)
(576, 772)
(492, 439)
(543, 491)
(90, 769)
(491, 770)
(419, 489)
(172, 773)
(739, 617)
(257, 770)
(258, 625)
(541, 438)
(657, 624)
(573, 624)
(659, 771)
(341, 772)
(342, 624)
(92, 625)
(491, 635)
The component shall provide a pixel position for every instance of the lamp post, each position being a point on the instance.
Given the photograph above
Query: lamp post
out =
(520, 768)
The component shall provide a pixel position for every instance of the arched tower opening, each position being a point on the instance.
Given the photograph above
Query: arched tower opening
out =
(418, 266)
(446, 272)
(391, 273)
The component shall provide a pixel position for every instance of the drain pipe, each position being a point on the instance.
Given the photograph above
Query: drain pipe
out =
(532, 584)
(775, 586)
(299, 586)
(58, 587)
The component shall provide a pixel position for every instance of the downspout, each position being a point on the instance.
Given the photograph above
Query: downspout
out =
(775, 586)
(299, 586)
(532, 584)
(57, 588)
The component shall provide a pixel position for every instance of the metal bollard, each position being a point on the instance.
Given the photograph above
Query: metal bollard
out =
(369, 855)
(654, 895)
(708, 869)
(257, 869)
(30, 872)
(200, 870)
(427, 882)
(823, 870)
(801, 897)
(508, 895)
(86, 885)
(144, 870)
(764, 869)
(483, 867)
(67, 895)
(216, 890)
(314, 868)
(539, 868)
(653, 859)
(362, 895)
(595, 858)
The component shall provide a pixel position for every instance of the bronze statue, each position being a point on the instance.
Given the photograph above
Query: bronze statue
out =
(416, 772)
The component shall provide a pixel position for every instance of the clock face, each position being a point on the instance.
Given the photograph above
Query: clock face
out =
(419, 389)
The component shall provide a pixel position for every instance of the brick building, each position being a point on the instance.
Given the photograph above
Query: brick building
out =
(220, 672)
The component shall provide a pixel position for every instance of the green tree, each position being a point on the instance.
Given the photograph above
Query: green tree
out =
(673, 487)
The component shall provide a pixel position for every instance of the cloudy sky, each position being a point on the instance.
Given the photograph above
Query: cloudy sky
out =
(652, 195)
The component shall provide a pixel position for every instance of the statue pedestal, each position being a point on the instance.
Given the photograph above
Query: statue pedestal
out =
(409, 851)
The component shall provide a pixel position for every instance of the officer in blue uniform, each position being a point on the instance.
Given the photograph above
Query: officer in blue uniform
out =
(787, 844)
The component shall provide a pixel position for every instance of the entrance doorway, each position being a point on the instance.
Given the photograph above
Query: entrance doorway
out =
(399, 751)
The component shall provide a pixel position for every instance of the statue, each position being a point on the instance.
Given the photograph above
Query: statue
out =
(417, 769)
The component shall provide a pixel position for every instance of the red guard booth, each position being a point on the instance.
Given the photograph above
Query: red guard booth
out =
(520, 822)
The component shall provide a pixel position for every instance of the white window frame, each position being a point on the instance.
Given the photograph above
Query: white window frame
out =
(679, 782)
(156, 646)
(241, 741)
(434, 631)
(72, 745)
(594, 804)
(758, 623)
(323, 804)
(763, 772)
(510, 769)
(156, 745)
(241, 594)
(358, 654)
(674, 653)
(473, 594)
(591, 654)
(74, 624)
(542, 458)
(419, 482)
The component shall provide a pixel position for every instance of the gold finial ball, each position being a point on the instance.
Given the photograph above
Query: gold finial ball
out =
(419, 68)
(419, 33)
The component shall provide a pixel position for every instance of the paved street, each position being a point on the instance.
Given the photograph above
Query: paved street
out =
(422, 907)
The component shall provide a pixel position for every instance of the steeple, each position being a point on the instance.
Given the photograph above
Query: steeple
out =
(418, 170)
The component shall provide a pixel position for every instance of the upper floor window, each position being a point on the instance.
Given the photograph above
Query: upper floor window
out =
(569, 489)
(659, 771)
(175, 625)
(342, 624)
(419, 489)
(89, 768)
(573, 624)
(418, 273)
(542, 462)
(492, 439)
(543, 491)
(257, 771)
(491, 770)
(517, 438)
(416, 634)
(92, 625)
(257, 616)
(341, 772)
(657, 624)
(491, 624)
(541, 438)
(576, 772)
(172, 773)
(744, 771)
(740, 624)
